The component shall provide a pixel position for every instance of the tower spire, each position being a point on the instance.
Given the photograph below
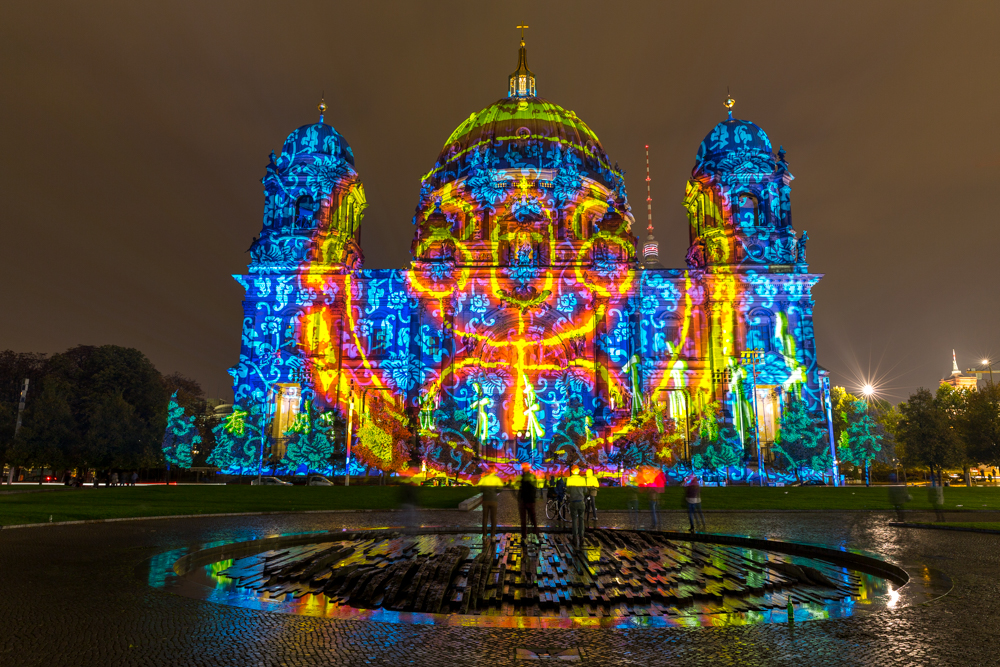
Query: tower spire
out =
(322, 106)
(522, 82)
(729, 103)
(649, 198)
(651, 249)
(954, 364)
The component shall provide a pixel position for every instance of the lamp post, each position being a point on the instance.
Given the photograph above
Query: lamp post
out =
(752, 358)
(986, 362)
(264, 410)
(350, 428)
(869, 391)
(828, 404)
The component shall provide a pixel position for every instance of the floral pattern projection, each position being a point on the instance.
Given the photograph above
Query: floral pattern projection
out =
(524, 328)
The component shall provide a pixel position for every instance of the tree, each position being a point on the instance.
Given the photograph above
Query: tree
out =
(186, 392)
(652, 435)
(383, 440)
(631, 455)
(926, 433)
(310, 445)
(50, 437)
(239, 440)
(980, 425)
(119, 403)
(569, 444)
(718, 445)
(114, 438)
(864, 438)
(841, 403)
(723, 452)
(181, 435)
(802, 439)
(15, 367)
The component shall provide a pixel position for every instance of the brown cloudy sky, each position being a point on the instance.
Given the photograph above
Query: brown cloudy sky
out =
(135, 134)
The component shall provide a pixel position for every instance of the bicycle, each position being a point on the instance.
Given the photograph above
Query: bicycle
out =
(556, 508)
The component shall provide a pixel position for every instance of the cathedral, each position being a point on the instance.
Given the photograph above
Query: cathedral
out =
(531, 324)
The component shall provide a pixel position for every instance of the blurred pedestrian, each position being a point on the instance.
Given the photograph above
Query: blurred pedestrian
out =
(135, 477)
(408, 503)
(576, 488)
(490, 484)
(633, 507)
(692, 496)
(527, 496)
(899, 496)
(114, 479)
(653, 495)
(935, 496)
(593, 484)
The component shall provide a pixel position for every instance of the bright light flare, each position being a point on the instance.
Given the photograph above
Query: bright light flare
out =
(868, 390)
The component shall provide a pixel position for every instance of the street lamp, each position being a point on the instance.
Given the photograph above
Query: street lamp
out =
(868, 391)
(752, 358)
(989, 365)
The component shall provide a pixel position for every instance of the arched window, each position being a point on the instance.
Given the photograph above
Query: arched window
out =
(672, 335)
(304, 208)
(748, 215)
(760, 330)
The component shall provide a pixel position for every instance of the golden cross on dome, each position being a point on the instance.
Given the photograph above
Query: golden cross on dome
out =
(729, 103)
(522, 28)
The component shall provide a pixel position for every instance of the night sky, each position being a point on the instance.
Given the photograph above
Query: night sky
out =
(135, 135)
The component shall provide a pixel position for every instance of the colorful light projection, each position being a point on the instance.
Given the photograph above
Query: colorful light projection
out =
(181, 438)
(525, 329)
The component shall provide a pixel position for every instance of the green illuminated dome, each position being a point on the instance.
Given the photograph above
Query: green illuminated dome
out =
(522, 131)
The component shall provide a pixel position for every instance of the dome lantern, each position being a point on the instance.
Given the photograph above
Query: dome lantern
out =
(522, 82)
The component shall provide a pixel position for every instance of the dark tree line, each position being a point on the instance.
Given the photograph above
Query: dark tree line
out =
(950, 428)
(89, 407)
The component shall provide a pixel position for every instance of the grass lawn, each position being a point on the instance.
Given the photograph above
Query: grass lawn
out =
(805, 498)
(113, 503)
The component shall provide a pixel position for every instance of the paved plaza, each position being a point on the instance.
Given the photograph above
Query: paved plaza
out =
(79, 595)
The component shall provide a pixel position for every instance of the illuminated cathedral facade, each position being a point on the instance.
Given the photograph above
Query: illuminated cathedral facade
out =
(532, 324)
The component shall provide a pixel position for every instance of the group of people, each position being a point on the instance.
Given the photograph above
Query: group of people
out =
(692, 501)
(110, 479)
(580, 491)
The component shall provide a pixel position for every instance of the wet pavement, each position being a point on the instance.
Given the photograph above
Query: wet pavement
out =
(77, 595)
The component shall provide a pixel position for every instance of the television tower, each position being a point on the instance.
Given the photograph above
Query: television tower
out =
(650, 249)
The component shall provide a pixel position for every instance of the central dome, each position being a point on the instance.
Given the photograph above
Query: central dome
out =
(522, 133)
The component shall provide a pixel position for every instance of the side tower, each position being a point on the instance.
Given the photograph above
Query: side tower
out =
(756, 278)
(313, 206)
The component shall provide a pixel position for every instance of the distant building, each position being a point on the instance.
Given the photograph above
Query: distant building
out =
(957, 379)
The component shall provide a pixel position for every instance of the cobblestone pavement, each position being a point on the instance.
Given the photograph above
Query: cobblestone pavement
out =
(70, 596)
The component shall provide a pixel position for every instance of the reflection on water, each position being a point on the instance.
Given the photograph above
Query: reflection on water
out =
(619, 580)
